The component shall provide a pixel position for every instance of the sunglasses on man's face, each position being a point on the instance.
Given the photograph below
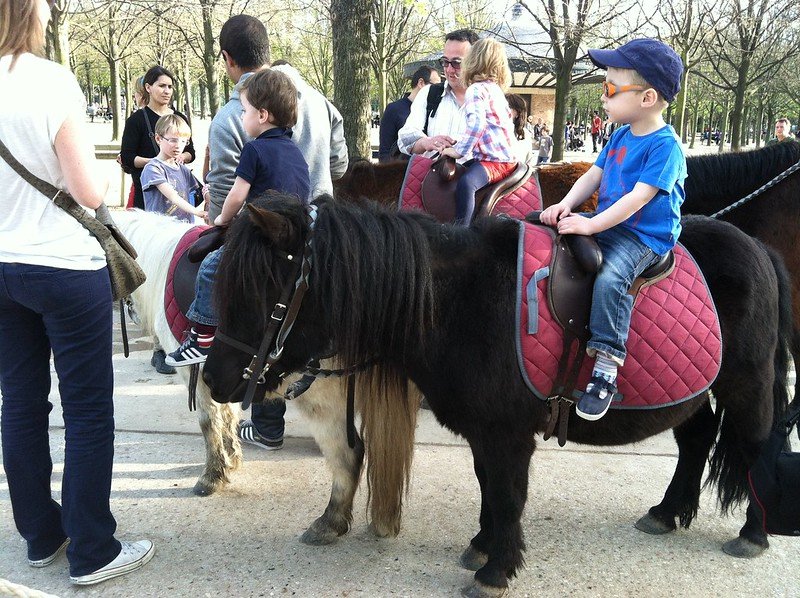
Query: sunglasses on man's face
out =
(455, 63)
(610, 90)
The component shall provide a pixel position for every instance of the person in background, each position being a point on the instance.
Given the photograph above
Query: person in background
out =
(140, 100)
(138, 138)
(545, 146)
(167, 185)
(318, 134)
(782, 131)
(523, 142)
(396, 113)
(139, 147)
(55, 297)
(597, 127)
(433, 125)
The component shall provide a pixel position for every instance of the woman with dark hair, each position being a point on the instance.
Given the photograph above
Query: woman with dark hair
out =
(55, 298)
(138, 142)
(523, 146)
(139, 147)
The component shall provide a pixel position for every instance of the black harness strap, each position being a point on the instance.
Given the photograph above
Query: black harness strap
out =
(351, 411)
(435, 93)
(123, 328)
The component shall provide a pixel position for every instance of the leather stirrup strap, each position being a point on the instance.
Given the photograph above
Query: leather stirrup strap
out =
(123, 328)
(351, 410)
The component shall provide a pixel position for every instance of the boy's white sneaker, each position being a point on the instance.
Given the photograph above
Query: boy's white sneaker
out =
(132, 556)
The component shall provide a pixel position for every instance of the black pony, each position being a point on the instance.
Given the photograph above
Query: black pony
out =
(716, 180)
(435, 305)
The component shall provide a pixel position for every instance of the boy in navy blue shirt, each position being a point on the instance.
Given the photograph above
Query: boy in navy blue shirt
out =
(640, 175)
(270, 161)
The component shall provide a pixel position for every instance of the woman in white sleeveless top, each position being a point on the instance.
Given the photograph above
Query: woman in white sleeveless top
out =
(55, 296)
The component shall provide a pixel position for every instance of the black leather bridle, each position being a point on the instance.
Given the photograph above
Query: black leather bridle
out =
(280, 321)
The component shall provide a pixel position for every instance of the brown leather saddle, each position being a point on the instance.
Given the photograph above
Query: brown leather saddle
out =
(575, 261)
(439, 189)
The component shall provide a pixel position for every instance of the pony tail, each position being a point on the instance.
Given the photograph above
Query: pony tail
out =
(388, 424)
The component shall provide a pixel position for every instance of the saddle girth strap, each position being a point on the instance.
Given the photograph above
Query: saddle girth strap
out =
(560, 398)
(194, 375)
(351, 411)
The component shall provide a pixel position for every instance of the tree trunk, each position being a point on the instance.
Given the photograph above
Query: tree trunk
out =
(695, 126)
(187, 88)
(58, 34)
(210, 56)
(350, 27)
(723, 126)
(738, 104)
(563, 88)
(759, 121)
(114, 101)
(680, 106)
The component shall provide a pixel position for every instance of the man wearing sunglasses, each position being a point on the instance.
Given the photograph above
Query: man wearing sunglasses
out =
(435, 120)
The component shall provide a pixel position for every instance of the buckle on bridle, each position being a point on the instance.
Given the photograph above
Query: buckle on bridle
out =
(279, 312)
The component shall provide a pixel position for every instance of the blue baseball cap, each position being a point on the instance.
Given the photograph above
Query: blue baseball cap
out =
(655, 61)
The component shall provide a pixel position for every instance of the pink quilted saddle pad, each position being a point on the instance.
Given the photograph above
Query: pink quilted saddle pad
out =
(674, 345)
(177, 321)
(517, 204)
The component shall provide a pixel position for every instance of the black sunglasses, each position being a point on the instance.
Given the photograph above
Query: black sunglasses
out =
(455, 63)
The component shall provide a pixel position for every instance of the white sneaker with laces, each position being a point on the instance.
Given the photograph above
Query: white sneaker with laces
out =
(132, 556)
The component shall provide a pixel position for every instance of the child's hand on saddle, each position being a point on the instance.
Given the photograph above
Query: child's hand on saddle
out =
(575, 225)
(550, 216)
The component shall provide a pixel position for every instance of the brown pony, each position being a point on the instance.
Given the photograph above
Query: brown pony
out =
(382, 182)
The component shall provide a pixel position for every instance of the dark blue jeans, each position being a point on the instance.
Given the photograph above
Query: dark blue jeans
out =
(473, 179)
(68, 312)
(268, 418)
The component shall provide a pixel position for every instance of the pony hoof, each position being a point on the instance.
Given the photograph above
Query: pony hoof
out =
(653, 525)
(480, 590)
(323, 532)
(473, 559)
(742, 548)
(203, 488)
(384, 530)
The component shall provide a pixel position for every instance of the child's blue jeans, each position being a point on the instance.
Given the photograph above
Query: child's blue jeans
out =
(624, 258)
(268, 418)
(202, 309)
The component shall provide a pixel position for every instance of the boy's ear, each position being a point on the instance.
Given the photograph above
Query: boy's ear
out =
(649, 97)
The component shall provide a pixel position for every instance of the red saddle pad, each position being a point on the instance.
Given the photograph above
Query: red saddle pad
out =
(517, 204)
(674, 345)
(178, 323)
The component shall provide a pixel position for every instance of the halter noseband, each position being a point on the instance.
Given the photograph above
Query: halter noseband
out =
(280, 321)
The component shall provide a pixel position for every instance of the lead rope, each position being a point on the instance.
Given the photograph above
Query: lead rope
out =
(791, 170)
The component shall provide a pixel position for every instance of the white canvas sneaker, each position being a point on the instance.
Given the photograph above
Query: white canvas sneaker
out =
(132, 556)
(49, 559)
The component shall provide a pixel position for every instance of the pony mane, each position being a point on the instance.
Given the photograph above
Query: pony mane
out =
(154, 236)
(734, 175)
(376, 290)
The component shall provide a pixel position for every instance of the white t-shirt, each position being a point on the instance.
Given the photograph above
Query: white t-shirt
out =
(37, 97)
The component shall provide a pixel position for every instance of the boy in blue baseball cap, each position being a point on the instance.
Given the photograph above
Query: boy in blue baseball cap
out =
(639, 175)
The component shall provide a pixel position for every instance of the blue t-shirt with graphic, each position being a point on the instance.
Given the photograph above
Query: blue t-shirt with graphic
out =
(179, 177)
(656, 159)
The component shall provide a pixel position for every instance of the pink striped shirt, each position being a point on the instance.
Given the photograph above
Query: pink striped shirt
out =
(489, 133)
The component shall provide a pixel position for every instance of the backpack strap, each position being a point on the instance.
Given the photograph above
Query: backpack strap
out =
(434, 99)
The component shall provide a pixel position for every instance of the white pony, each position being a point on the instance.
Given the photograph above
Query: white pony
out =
(155, 237)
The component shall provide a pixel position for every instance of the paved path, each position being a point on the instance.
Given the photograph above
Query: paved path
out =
(578, 523)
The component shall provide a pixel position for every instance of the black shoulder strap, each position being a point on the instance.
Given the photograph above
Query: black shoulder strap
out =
(434, 99)
(150, 131)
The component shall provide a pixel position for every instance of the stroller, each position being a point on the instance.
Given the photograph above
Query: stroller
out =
(575, 144)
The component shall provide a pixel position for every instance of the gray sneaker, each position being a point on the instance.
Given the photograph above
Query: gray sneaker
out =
(132, 556)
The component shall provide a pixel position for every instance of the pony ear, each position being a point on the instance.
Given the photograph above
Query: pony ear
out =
(273, 226)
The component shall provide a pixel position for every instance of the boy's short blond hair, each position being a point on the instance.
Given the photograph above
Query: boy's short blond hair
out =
(274, 92)
(637, 79)
(172, 121)
(486, 60)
